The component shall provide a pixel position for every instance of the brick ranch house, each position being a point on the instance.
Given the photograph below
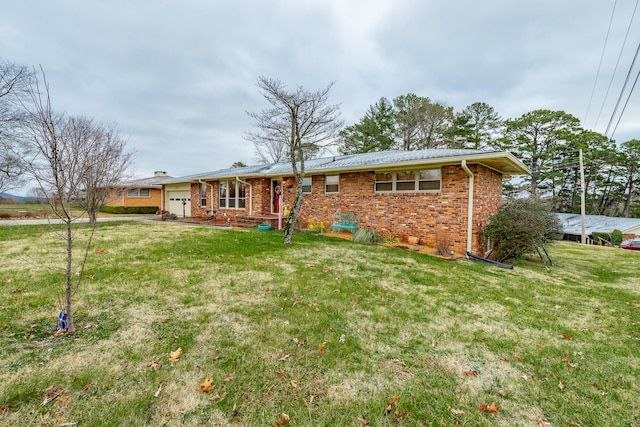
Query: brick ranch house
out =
(143, 192)
(426, 193)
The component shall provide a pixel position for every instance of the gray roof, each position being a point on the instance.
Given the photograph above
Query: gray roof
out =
(572, 223)
(149, 182)
(499, 160)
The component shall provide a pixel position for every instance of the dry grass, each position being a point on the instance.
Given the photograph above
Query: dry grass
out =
(323, 330)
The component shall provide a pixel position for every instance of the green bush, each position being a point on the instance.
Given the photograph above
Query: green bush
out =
(129, 210)
(520, 226)
(365, 235)
(616, 237)
(601, 238)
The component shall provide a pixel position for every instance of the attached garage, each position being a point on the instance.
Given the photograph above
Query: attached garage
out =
(179, 200)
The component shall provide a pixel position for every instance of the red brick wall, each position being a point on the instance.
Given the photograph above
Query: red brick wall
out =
(428, 216)
(438, 216)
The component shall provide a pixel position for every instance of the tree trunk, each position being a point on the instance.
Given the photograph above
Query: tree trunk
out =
(93, 216)
(295, 211)
(69, 279)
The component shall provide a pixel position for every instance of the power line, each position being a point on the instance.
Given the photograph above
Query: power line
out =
(617, 62)
(625, 105)
(622, 92)
(600, 64)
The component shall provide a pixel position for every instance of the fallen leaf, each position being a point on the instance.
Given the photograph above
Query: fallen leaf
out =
(154, 365)
(281, 374)
(325, 269)
(561, 386)
(566, 336)
(489, 408)
(157, 393)
(390, 405)
(207, 385)
(5, 409)
(354, 302)
(364, 422)
(504, 359)
(314, 395)
(229, 377)
(471, 373)
(543, 423)
(297, 342)
(400, 415)
(284, 419)
(518, 357)
(234, 411)
(457, 412)
(60, 332)
(174, 356)
(91, 276)
(322, 348)
(86, 388)
(52, 394)
(542, 345)
(293, 383)
(285, 357)
(99, 250)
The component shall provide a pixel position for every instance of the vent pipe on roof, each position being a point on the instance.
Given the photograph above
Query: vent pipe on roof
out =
(160, 173)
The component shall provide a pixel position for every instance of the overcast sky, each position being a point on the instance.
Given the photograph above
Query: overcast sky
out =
(179, 76)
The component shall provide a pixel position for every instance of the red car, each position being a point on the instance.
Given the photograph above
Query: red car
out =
(631, 244)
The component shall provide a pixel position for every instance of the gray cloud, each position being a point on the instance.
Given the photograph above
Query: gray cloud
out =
(178, 77)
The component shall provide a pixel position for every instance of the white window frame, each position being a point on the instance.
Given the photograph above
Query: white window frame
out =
(137, 193)
(203, 195)
(327, 184)
(232, 195)
(307, 183)
(416, 180)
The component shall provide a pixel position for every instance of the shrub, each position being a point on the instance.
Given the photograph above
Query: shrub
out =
(129, 210)
(520, 226)
(616, 237)
(366, 235)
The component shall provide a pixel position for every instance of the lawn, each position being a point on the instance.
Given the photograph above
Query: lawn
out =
(321, 332)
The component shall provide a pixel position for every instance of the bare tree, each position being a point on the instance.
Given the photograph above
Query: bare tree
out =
(65, 156)
(14, 83)
(304, 122)
(105, 161)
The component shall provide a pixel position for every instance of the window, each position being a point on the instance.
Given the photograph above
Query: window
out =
(232, 194)
(203, 195)
(331, 183)
(306, 185)
(426, 180)
(138, 192)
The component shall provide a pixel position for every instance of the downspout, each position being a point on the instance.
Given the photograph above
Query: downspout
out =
(470, 208)
(250, 195)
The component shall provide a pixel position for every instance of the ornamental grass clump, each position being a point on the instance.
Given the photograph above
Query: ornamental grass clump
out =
(366, 235)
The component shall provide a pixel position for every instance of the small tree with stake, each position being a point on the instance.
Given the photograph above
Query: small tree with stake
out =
(521, 227)
(304, 121)
(70, 158)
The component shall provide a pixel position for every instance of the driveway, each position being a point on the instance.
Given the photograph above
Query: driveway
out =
(57, 221)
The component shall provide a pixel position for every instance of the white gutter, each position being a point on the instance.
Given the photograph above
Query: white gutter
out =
(250, 194)
(470, 208)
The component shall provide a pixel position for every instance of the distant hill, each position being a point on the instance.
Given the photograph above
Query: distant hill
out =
(4, 197)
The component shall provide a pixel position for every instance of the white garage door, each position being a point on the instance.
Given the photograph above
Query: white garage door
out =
(179, 203)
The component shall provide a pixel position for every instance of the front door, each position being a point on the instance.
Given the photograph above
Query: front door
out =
(276, 192)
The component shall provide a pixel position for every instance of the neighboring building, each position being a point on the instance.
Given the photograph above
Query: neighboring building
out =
(426, 193)
(140, 192)
(572, 226)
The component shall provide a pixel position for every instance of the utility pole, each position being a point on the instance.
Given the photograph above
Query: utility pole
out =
(582, 203)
